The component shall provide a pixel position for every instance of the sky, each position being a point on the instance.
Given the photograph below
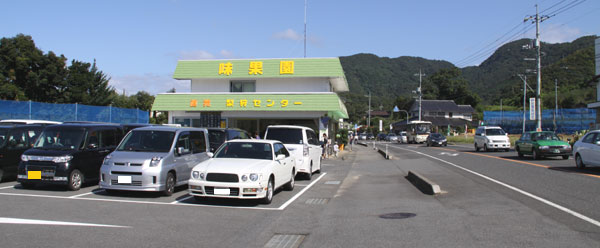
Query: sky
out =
(138, 43)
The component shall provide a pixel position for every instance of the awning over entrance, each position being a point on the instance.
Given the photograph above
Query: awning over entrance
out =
(327, 102)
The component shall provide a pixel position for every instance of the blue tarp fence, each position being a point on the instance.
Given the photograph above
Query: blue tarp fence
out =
(568, 121)
(70, 112)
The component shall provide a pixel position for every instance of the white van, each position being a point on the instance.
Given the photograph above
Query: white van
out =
(154, 158)
(303, 144)
(491, 138)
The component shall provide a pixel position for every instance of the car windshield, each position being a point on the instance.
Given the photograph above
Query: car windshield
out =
(3, 137)
(147, 141)
(252, 150)
(437, 136)
(216, 138)
(285, 135)
(546, 136)
(494, 131)
(60, 139)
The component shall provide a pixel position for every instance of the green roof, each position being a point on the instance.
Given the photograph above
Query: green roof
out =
(303, 67)
(329, 102)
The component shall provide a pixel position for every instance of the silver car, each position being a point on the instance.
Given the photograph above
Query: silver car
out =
(155, 158)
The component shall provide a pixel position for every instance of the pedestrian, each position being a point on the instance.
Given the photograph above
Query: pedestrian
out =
(256, 136)
(324, 145)
(336, 149)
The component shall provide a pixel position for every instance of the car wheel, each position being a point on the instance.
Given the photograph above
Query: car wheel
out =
(290, 185)
(318, 171)
(565, 156)
(535, 154)
(427, 143)
(308, 176)
(1, 175)
(27, 185)
(169, 184)
(519, 153)
(75, 180)
(476, 147)
(269, 197)
(579, 162)
(485, 148)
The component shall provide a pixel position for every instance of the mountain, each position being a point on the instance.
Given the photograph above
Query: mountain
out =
(392, 80)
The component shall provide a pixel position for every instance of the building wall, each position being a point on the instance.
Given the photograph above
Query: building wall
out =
(265, 85)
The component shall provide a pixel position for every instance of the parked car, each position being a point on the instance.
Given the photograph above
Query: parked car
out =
(14, 140)
(542, 144)
(491, 138)
(370, 136)
(362, 136)
(218, 136)
(391, 137)
(302, 143)
(436, 139)
(402, 137)
(154, 158)
(68, 154)
(381, 136)
(587, 150)
(244, 169)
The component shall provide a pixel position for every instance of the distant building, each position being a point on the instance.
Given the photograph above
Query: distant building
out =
(441, 113)
(596, 81)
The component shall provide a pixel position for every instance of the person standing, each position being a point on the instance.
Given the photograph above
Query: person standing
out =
(324, 145)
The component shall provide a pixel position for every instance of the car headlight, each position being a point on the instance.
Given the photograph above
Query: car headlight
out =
(544, 147)
(62, 159)
(566, 147)
(107, 160)
(155, 161)
(253, 177)
(195, 174)
(444, 140)
(244, 178)
(24, 158)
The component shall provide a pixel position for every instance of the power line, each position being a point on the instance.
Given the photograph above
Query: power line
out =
(562, 1)
(566, 7)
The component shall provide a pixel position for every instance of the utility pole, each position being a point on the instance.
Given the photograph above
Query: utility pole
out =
(555, 102)
(369, 120)
(305, 3)
(538, 104)
(525, 85)
(419, 91)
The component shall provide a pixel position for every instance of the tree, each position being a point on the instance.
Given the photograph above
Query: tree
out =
(144, 100)
(448, 84)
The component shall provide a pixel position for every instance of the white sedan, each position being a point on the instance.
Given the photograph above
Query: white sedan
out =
(587, 150)
(244, 169)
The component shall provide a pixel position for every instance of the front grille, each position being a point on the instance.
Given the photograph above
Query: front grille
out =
(127, 164)
(40, 168)
(222, 177)
(211, 191)
(133, 183)
(556, 147)
(126, 173)
(499, 141)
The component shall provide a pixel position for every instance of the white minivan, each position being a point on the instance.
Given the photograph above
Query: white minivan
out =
(303, 144)
(491, 138)
(154, 158)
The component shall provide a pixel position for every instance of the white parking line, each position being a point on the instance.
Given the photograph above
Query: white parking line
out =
(52, 223)
(300, 193)
(8, 187)
(552, 204)
(182, 200)
(88, 193)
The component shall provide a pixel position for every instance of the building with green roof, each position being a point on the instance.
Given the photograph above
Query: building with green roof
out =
(253, 93)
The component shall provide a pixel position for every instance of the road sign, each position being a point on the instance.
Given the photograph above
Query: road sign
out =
(532, 108)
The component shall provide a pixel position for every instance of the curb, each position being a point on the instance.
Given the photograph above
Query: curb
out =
(382, 152)
(423, 184)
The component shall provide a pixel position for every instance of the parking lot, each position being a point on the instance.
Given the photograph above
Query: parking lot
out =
(359, 199)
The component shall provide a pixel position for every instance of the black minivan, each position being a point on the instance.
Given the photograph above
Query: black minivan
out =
(218, 136)
(68, 154)
(14, 140)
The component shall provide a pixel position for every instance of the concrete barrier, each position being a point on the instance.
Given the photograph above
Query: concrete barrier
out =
(385, 155)
(423, 184)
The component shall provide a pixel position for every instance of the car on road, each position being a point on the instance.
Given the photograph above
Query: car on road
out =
(154, 158)
(391, 137)
(14, 141)
(244, 169)
(402, 138)
(370, 136)
(542, 144)
(381, 136)
(587, 150)
(302, 143)
(68, 154)
(436, 139)
(491, 138)
(362, 136)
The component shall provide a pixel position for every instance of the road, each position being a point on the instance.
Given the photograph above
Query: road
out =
(341, 207)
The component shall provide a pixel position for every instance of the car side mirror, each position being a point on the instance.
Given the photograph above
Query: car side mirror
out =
(483, 134)
(182, 151)
(210, 154)
(280, 157)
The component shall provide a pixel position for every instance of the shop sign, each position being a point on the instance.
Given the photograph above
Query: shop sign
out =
(256, 103)
(256, 68)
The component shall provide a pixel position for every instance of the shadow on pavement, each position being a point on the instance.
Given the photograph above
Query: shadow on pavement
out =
(590, 171)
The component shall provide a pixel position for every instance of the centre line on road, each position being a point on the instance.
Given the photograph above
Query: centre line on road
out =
(552, 204)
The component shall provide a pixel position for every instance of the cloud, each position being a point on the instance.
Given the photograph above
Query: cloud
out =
(557, 33)
(149, 82)
(202, 54)
(288, 34)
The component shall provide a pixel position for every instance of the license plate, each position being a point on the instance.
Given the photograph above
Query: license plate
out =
(34, 175)
(556, 151)
(221, 191)
(124, 179)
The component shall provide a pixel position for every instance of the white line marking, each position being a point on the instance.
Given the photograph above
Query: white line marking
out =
(88, 193)
(301, 192)
(301, 185)
(183, 199)
(564, 209)
(52, 223)
(8, 187)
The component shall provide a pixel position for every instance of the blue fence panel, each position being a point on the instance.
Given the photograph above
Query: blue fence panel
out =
(70, 112)
(567, 120)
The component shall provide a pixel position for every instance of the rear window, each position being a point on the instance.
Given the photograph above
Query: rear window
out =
(285, 135)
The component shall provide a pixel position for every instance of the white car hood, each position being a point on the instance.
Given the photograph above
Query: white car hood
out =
(232, 165)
